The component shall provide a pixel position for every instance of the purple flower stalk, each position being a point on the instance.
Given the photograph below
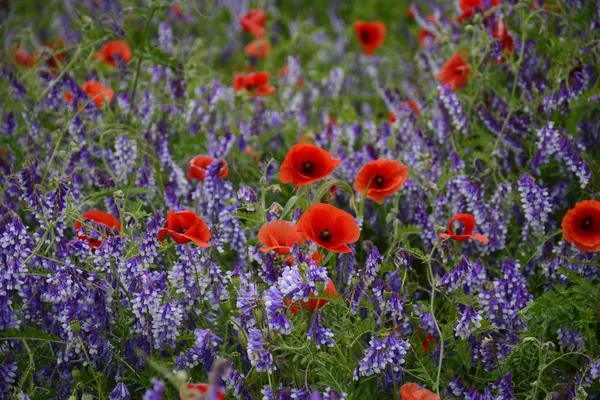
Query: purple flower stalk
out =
(259, 352)
(317, 332)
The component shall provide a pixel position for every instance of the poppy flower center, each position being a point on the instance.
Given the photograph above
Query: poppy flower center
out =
(379, 181)
(365, 36)
(459, 231)
(325, 235)
(587, 223)
(307, 167)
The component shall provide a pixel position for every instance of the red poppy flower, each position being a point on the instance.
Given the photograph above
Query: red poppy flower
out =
(197, 167)
(370, 35)
(305, 164)
(258, 48)
(23, 58)
(279, 236)
(184, 227)
(254, 22)
(96, 91)
(455, 71)
(381, 178)
(198, 391)
(507, 43)
(468, 8)
(99, 217)
(581, 226)
(314, 303)
(414, 106)
(329, 227)
(465, 232)
(111, 51)
(257, 82)
(411, 391)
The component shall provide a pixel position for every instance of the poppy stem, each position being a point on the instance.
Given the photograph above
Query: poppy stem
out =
(431, 310)
(139, 61)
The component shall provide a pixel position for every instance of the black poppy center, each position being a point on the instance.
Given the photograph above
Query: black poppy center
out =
(325, 235)
(379, 181)
(307, 167)
(587, 223)
(365, 36)
(459, 231)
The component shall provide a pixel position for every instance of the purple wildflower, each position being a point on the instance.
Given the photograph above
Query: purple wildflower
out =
(204, 351)
(536, 205)
(276, 310)
(451, 106)
(452, 280)
(259, 352)
(157, 392)
(381, 354)
(570, 339)
(317, 332)
(468, 321)
(120, 392)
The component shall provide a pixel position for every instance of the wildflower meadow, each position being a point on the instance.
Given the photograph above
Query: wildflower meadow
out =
(300, 200)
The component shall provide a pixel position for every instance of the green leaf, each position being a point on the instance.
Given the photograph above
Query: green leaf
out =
(288, 206)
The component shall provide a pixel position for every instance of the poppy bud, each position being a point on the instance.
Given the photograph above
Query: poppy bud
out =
(75, 327)
(225, 305)
(355, 280)
(236, 280)
(387, 294)
(260, 287)
(320, 285)
(87, 396)
(76, 374)
(258, 314)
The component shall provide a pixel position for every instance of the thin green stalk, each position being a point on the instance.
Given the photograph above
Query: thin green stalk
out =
(139, 61)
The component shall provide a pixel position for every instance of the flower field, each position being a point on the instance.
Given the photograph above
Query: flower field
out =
(304, 200)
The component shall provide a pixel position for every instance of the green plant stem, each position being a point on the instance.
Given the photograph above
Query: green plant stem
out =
(139, 61)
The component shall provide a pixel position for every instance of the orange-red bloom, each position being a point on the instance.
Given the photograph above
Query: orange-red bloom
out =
(111, 51)
(455, 71)
(380, 178)
(581, 226)
(329, 227)
(468, 8)
(23, 58)
(371, 35)
(184, 227)
(258, 48)
(255, 82)
(279, 236)
(411, 391)
(96, 91)
(507, 43)
(464, 232)
(99, 217)
(305, 164)
(198, 391)
(314, 303)
(198, 165)
(254, 22)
